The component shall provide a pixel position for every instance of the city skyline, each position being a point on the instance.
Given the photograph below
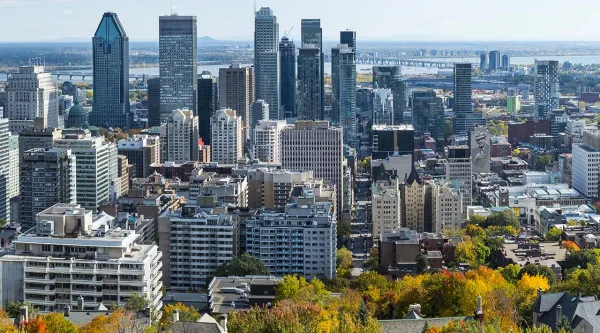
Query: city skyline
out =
(433, 25)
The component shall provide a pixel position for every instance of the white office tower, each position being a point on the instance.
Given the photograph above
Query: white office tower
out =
(4, 169)
(459, 174)
(586, 165)
(73, 258)
(447, 207)
(194, 243)
(314, 145)
(94, 169)
(266, 60)
(267, 140)
(383, 107)
(227, 137)
(13, 166)
(302, 240)
(182, 136)
(31, 93)
(385, 211)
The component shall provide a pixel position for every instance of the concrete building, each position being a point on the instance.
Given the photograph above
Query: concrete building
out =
(267, 140)
(47, 178)
(194, 242)
(259, 111)
(123, 175)
(414, 202)
(546, 88)
(13, 167)
(447, 207)
(208, 101)
(302, 240)
(31, 93)
(586, 165)
(396, 247)
(236, 91)
(5, 169)
(266, 61)
(111, 74)
(141, 151)
(271, 188)
(459, 173)
(226, 189)
(428, 115)
(227, 137)
(312, 34)
(155, 117)
(182, 136)
(96, 167)
(389, 77)
(178, 62)
(393, 140)
(314, 145)
(386, 211)
(71, 259)
(343, 81)
(310, 83)
(383, 107)
(287, 77)
(37, 137)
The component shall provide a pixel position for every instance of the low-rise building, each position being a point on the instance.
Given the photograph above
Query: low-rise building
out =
(231, 189)
(241, 292)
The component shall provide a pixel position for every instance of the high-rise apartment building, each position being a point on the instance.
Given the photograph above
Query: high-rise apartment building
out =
(483, 62)
(586, 166)
(348, 37)
(227, 137)
(123, 176)
(141, 151)
(110, 56)
(546, 88)
(428, 115)
(393, 141)
(73, 259)
(37, 137)
(260, 111)
(390, 77)
(182, 136)
(194, 243)
(343, 81)
(236, 91)
(383, 107)
(154, 114)
(287, 77)
(310, 83)
(178, 61)
(267, 140)
(495, 60)
(314, 145)
(94, 170)
(31, 93)
(464, 117)
(385, 210)
(4, 169)
(309, 228)
(459, 173)
(47, 178)
(312, 34)
(208, 99)
(266, 60)
(447, 207)
(13, 166)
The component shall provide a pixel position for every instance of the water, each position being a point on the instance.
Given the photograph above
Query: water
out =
(584, 60)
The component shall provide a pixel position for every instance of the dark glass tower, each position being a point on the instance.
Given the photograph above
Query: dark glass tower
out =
(428, 115)
(111, 74)
(287, 67)
(310, 85)
(349, 38)
(154, 102)
(312, 34)
(207, 104)
(390, 77)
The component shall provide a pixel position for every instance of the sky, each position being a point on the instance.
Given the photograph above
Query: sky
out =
(392, 20)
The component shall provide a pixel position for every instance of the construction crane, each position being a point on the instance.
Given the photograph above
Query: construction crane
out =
(287, 33)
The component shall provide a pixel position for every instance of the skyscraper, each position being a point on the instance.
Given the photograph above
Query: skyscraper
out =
(227, 140)
(348, 37)
(506, 62)
(383, 107)
(4, 169)
(459, 173)
(495, 59)
(111, 74)
(154, 115)
(41, 99)
(389, 77)
(236, 91)
(266, 60)
(343, 81)
(310, 83)
(178, 52)
(207, 104)
(312, 34)
(546, 88)
(483, 62)
(182, 136)
(287, 70)
(393, 140)
(428, 115)
(464, 117)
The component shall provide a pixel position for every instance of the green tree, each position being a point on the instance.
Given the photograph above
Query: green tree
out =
(136, 303)
(14, 309)
(343, 258)
(363, 312)
(510, 273)
(564, 325)
(372, 263)
(502, 219)
(241, 266)
(581, 259)
(554, 234)
(542, 161)
(476, 219)
(422, 263)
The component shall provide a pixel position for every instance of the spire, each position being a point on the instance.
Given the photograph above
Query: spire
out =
(414, 176)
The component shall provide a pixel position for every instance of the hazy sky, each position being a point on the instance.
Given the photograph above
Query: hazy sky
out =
(35, 20)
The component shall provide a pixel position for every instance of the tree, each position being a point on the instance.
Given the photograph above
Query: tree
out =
(570, 246)
(14, 309)
(185, 314)
(363, 312)
(542, 161)
(554, 234)
(473, 230)
(476, 219)
(136, 303)
(533, 270)
(502, 219)
(294, 287)
(510, 272)
(241, 266)
(580, 259)
(425, 328)
(527, 288)
(564, 325)
(344, 258)
(35, 325)
(422, 263)
(372, 263)
(56, 322)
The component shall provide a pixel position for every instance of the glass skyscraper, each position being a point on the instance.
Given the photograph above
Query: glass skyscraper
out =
(312, 34)
(178, 52)
(343, 81)
(287, 70)
(111, 74)
(266, 60)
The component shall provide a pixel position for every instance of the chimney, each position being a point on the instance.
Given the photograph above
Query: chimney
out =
(67, 310)
(479, 309)
(223, 322)
(175, 316)
(147, 311)
(558, 314)
(80, 303)
(24, 314)
(540, 292)
(416, 308)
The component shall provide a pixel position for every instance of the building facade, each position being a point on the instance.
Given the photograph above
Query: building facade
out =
(141, 151)
(546, 88)
(312, 34)
(586, 165)
(310, 83)
(393, 140)
(267, 140)
(155, 117)
(386, 211)
(459, 173)
(287, 77)
(227, 137)
(383, 107)
(343, 81)
(182, 136)
(208, 101)
(266, 60)
(390, 77)
(236, 91)
(428, 115)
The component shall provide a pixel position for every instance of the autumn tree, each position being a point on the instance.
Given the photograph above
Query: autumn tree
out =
(372, 263)
(533, 270)
(56, 322)
(570, 246)
(344, 262)
(185, 314)
(294, 287)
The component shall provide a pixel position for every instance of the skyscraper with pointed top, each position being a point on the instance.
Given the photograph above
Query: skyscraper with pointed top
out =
(266, 60)
(111, 74)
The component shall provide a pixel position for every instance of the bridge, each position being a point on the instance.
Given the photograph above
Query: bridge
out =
(403, 62)
(85, 75)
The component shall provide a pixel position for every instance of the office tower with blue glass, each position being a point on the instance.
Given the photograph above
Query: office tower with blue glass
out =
(428, 115)
(312, 34)
(111, 74)
(464, 117)
(287, 77)
(390, 77)
(310, 85)
(343, 82)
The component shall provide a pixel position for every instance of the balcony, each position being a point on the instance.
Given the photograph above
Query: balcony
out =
(86, 281)
(131, 282)
(42, 302)
(36, 269)
(40, 291)
(87, 292)
(39, 280)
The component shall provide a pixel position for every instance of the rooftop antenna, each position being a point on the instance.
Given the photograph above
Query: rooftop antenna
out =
(171, 7)
(254, 6)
